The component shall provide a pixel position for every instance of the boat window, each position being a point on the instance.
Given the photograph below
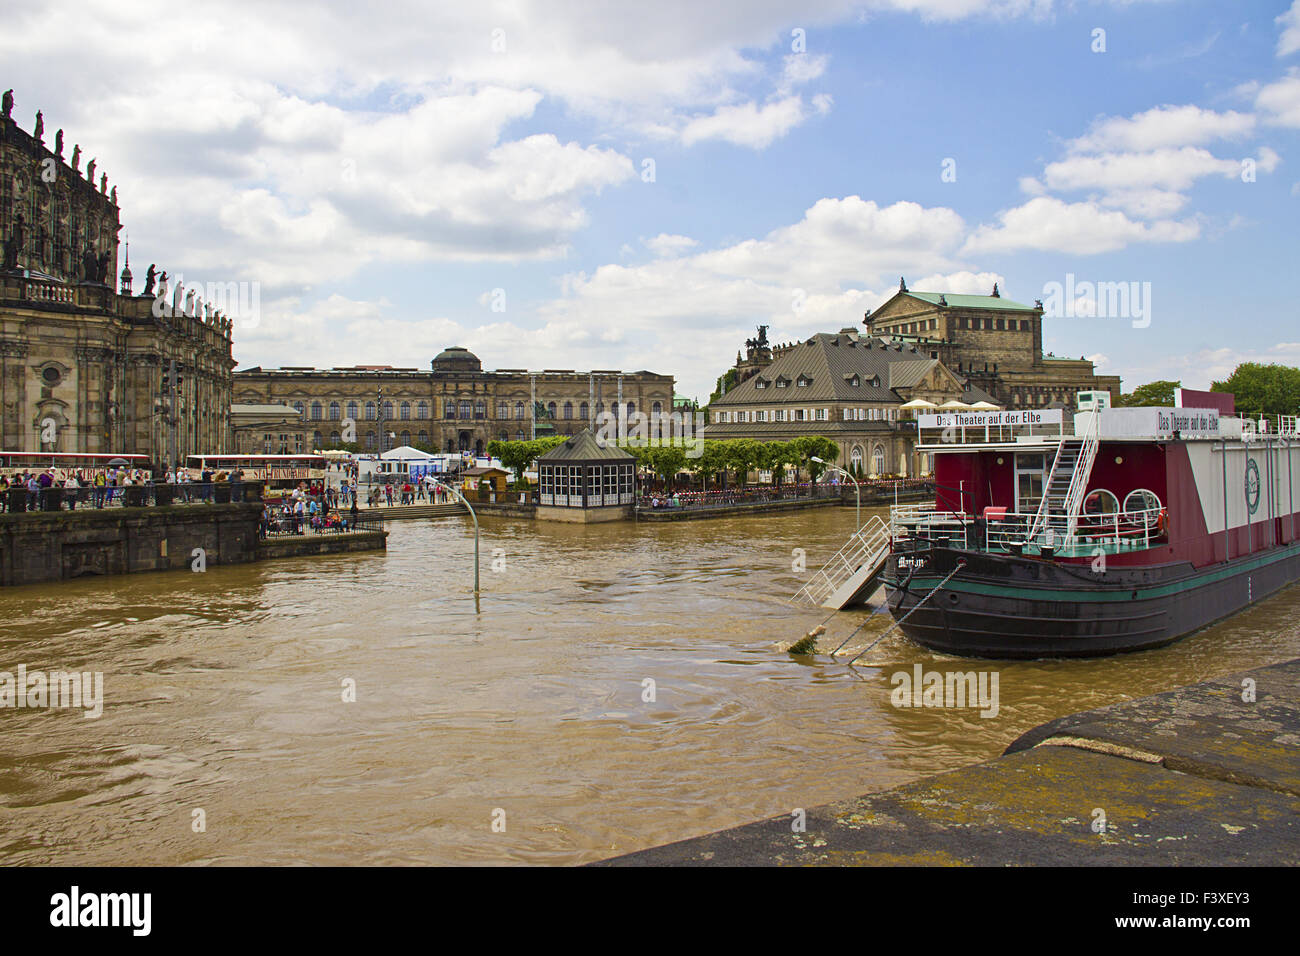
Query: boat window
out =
(1031, 469)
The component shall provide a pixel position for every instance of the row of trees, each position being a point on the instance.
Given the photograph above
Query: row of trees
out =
(717, 458)
(1259, 390)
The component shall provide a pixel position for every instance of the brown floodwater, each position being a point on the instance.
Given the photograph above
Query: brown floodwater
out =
(224, 693)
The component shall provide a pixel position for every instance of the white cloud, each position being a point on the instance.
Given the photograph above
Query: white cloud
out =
(1169, 169)
(1050, 224)
(1289, 22)
(747, 124)
(1163, 126)
(669, 245)
(1281, 100)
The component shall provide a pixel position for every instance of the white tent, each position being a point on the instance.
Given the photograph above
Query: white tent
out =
(406, 453)
(986, 406)
(919, 403)
(954, 405)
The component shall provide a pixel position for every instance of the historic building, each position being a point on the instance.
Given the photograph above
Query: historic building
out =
(994, 342)
(84, 368)
(453, 406)
(268, 430)
(844, 386)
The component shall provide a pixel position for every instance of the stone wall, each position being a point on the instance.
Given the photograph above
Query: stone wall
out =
(40, 547)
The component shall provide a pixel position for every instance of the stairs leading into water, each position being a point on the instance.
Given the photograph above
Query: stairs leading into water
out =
(851, 575)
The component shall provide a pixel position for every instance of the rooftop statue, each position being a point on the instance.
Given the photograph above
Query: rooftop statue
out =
(39, 129)
(149, 278)
(7, 104)
(58, 144)
(90, 172)
(76, 158)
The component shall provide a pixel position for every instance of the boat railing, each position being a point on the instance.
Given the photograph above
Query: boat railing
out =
(1089, 533)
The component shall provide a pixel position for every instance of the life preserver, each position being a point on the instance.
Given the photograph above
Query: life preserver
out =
(1162, 522)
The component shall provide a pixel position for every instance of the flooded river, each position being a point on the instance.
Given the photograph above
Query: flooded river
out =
(224, 693)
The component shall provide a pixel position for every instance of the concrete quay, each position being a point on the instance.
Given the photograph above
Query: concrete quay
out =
(1204, 775)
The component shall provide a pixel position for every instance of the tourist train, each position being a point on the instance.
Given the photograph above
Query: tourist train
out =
(1133, 529)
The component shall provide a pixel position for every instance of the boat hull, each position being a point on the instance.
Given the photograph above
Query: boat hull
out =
(1004, 606)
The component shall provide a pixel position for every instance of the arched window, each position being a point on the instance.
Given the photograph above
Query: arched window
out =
(657, 408)
(352, 410)
(422, 410)
(316, 410)
(568, 409)
(855, 460)
(317, 441)
(371, 414)
(406, 411)
(550, 408)
(388, 411)
(298, 406)
(334, 411)
(519, 411)
(878, 460)
(480, 409)
(370, 441)
(406, 438)
(449, 408)
(582, 411)
(424, 438)
(631, 409)
(466, 409)
(335, 438)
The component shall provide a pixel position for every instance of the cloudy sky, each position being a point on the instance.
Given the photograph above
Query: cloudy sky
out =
(638, 185)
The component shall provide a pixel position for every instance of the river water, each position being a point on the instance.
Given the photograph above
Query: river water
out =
(225, 714)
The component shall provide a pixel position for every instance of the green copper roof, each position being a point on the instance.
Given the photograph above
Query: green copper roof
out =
(997, 303)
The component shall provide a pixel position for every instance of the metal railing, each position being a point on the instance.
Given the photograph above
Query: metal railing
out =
(17, 499)
(868, 544)
(1016, 533)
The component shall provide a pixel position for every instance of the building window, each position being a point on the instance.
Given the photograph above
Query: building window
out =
(317, 440)
(759, 383)
(370, 441)
(722, 418)
(334, 411)
(1001, 325)
(778, 415)
(657, 408)
(519, 411)
(424, 438)
(422, 410)
(782, 383)
(449, 408)
(503, 409)
(803, 381)
(371, 412)
(406, 438)
(798, 414)
(316, 411)
(740, 416)
(760, 415)
(298, 406)
(582, 411)
(855, 460)
(568, 410)
(631, 409)
(405, 411)
(878, 460)
(466, 409)
(388, 411)
(334, 438)
(821, 415)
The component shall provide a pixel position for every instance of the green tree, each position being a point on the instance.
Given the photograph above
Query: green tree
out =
(808, 447)
(1159, 393)
(712, 460)
(1263, 389)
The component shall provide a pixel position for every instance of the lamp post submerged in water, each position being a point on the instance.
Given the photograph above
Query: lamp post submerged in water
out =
(857, 513)
(463, 500)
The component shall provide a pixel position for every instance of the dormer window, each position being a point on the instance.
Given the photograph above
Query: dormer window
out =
(875, 382)
(783, 382)
(855, 381)
(760, 383)
(804, 381)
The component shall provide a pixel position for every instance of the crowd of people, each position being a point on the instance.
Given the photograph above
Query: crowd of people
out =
(91, 486)
(307, 507)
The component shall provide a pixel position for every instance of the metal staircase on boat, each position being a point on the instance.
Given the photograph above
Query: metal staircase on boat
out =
(1063, 491)
(850, 576)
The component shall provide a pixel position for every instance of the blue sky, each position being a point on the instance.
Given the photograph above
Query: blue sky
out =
(387, 178)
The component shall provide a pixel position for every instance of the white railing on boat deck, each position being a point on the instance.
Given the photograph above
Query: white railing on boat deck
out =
(1114, 533)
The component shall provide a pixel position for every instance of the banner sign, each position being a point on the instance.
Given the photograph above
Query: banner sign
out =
(1028, 416)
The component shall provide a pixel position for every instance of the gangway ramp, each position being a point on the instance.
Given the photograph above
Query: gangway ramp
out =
(851, 576)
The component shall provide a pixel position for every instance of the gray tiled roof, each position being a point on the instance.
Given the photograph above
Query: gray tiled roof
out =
(831, 361)
(584, 447)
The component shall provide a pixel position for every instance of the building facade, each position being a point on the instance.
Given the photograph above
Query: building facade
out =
(453, 406)
(990, 340)
(844, 386)
(84, 368)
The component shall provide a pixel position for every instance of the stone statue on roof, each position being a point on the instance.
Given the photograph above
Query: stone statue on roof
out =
(76, 158)
(58, 144)
(902, 284)
(7, 104)
(39, 129)
(90, 172)
(149, 278)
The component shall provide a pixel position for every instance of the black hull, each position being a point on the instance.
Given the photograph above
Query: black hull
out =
(1001, 606)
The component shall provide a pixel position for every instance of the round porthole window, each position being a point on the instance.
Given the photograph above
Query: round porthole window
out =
(50, 376)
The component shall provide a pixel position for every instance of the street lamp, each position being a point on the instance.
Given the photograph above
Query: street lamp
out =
(466, 503)
(857, 494)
